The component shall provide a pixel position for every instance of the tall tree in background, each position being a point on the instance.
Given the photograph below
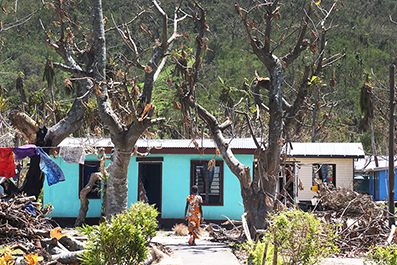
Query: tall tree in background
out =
(258, 191)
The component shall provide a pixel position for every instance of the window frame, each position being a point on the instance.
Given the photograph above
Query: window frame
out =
(221, 179)
(334, 177)
(91, 194)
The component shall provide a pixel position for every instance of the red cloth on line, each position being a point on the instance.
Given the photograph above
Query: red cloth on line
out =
(7, 167)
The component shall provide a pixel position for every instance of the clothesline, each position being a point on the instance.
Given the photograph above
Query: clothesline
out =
(90, 147)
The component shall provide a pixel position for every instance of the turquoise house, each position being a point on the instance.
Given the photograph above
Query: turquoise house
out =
(163, 178)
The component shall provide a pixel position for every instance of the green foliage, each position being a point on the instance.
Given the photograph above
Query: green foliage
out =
(121, 240)
(383, 255)
(3, 103)
(364, 34)
(297, 237)
(256, 251)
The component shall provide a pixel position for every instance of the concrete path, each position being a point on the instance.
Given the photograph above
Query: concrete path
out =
(204, 253)
(207, 252)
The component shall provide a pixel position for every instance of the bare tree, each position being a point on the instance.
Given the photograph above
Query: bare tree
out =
(125, 134)
(48, 137)
(258, 191)
(125, 111)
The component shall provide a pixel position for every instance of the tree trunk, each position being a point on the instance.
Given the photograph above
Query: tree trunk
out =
(83, 198)
(373, 142)
(71, 243)
(68, 257)
(117, 187)
(256, 208)
(34, 178)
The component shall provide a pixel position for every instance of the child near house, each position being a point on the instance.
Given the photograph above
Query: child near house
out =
(193, 203)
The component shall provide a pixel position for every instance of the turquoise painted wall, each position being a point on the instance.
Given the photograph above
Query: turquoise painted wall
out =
(64, 196)
(175, 188)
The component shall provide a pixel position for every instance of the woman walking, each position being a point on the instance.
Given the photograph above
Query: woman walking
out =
(193, 203)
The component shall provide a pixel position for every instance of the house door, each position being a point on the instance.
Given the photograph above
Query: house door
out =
(149, 186)
(287, 182)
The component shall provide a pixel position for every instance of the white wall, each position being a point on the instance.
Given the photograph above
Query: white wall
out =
(344, 174)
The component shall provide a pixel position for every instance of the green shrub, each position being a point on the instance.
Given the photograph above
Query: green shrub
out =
(383, 255)
(123, 240)
(296, 237)
(256, 250)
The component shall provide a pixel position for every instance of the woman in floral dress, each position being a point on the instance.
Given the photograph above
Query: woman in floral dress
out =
(193, 203)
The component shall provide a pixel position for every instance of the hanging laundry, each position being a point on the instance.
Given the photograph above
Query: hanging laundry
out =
(7, 168)
(24, 151)
(72, 154)
(51, 170)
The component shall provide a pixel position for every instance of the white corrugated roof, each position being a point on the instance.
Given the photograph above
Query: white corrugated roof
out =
(326, 149)
(367, 164)
(244, 143)
(298, 149)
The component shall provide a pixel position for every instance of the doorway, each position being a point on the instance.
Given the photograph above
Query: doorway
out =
(286, 183)
(149, 183)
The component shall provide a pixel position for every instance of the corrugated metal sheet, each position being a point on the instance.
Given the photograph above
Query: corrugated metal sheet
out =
(240, 143)
(326, 149)
(367, 164)
(298, 149)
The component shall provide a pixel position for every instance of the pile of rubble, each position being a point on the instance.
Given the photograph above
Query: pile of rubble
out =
(356, 235)
(346, 202)
(21, 220)
(358, 221)
(24, 226)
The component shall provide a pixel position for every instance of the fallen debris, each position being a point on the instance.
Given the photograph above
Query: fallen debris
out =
(229, 236)
(21, 220)
(24, 226)
(346, 202)
(358, 221)
(180, 230)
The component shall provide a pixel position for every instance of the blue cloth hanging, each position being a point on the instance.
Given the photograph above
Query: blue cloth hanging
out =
(51, 170)
(30, 208)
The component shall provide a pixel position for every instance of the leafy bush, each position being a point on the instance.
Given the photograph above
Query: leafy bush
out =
(256, 251)
(123, 239)
(294, 237)
(383, 255)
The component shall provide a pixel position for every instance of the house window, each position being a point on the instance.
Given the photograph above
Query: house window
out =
(86, 170)
(209, 180)
(324, 173)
